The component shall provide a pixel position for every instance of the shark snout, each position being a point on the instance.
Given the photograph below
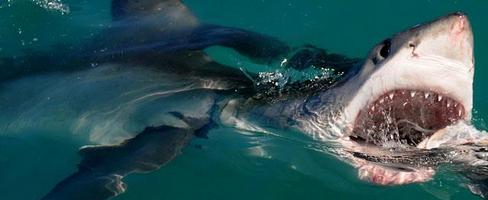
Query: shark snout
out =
(460, 24)
(461, 36)
(450, 37)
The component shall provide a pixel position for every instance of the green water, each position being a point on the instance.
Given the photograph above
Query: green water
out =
(231, 165)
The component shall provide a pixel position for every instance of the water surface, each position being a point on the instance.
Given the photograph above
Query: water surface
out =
(230, 164)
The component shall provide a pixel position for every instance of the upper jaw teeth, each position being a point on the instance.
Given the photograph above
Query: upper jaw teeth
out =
(408, 97)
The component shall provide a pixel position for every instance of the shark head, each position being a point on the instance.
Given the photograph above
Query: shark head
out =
(403, 96)
(413, 84)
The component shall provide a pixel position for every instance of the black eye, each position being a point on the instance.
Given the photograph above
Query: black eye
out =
(385, 50)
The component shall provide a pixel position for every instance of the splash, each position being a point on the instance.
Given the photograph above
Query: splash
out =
(51, 5)
(276, 78)
(54, 5)
(6, 3)
(460, 149)
(289, 83)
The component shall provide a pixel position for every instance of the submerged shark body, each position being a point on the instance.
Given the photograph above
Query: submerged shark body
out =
(160, 90)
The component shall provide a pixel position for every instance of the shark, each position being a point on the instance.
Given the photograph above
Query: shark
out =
(140, 90)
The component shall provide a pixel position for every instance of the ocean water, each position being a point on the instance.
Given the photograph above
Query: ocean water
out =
(230, 164)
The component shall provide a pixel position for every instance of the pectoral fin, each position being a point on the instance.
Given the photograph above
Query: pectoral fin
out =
(102, 168)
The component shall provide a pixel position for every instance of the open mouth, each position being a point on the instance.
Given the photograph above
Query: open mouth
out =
(405, 117)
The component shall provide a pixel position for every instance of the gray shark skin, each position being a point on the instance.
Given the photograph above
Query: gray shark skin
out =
(154, 89)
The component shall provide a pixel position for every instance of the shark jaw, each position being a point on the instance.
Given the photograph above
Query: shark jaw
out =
(406, 117)
(411, 86)
(414, 84)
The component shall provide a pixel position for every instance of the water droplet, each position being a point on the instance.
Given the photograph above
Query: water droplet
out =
(283, 63)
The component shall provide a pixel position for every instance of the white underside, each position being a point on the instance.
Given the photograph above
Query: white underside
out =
(105, 105)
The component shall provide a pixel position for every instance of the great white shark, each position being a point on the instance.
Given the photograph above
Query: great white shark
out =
(143, 88)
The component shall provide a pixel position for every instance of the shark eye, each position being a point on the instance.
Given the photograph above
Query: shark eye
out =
(385, 50)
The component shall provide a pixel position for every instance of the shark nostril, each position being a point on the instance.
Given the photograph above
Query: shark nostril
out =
(413, 46)
(459, 13)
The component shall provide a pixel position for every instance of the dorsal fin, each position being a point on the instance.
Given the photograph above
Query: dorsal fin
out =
(172, 10)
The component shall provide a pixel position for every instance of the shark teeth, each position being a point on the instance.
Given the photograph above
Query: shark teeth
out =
(420, 100)
(406, 117)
